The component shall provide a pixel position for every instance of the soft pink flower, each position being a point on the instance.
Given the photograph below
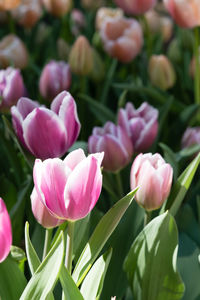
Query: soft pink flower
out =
(153, 176)
(191, 137)
(5, 231)
(69, 188)
(141, 125)
(135, 7)
(122, 38)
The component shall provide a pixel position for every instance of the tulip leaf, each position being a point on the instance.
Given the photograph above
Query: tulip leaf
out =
(33, 259)
(69, 287)
(181, 187)
(93, 283)
(12, 280)
(151, 262)
(45, 277)
(102, 232)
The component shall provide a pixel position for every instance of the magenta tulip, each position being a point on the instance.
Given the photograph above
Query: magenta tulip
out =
(153, 176)
(46, 133)
(115, 143)
(135, 7)
(55, 78)
(141, 125)
(69, 188)
(11, 87)
(5, 231)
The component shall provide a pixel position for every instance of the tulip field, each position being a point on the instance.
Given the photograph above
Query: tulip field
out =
(100, 149)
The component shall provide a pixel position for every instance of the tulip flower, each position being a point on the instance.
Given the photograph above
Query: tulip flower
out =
(41, 213)
(46, 133)
(153, 176)
(191, 137)
(115, 143)
(185, 13)
(161, 72)
(135, 7)
(9, 4)
(78, 21)
(11, 87)
(122, 38)
(57, 8)
(107, 12)
(5, 231)
(13, 51)
(141, 125)
(69, 188)
(55, 78)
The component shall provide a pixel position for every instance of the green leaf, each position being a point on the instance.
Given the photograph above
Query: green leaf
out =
(151, 262)
(69, 287)
(102, 232)
(79, 144)
(93, 283)
(170, 157)
(189, 151)
(12, 280)
(44, 279)
(33, 260)
(181, 187)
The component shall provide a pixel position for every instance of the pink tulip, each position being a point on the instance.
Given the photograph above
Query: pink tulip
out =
(41, 213)
(186, 13)
(191, 137)
(135, 7)
(5, 231)
(11, 87)
(69, 188)
(122, 38)
(46, 132)
(55, 78)
(115, 143)
(141, 125)
(153, 176)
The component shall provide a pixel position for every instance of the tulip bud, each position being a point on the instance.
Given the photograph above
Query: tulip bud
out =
(78, 21)
(5, 231)
(174, 51)
(107, 12)
(141, 125)
(122, 38)
(161, 72)
(185, 13)
(98, 70)
(13, 51)
(153, 176)
(9, 4)
(80, 57)
(135, 7)
(46, 132)
(28, 13)
(41, 213)
(115, 144)
(43, 32)
(91, 4)
(57, 8)
(55, 78)
(63, 49)
(11, 87)
(191, 137)
(69, 188)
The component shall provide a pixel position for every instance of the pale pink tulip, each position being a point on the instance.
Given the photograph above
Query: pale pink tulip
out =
(135, 7)
(153, 176)
(69, 188)
(5, 231)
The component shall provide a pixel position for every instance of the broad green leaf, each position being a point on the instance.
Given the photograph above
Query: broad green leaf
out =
(33, 259)
(44, 279)
(151, 262)
(181, 187)
(12, 280)
(69, 287)
(102, 232)
(93, 283)
(81, 235)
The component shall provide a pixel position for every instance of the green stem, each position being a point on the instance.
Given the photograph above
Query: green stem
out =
(197, 66)
(47, 242)
(147, 217)
(148, 36)
(119, 184)
(108, 81)
(11, 22)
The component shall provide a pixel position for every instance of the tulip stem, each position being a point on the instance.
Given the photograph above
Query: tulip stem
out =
(119, 184)
(197, 66)
(47, 242)
(108, 81)
(69, 246)
(147, 217)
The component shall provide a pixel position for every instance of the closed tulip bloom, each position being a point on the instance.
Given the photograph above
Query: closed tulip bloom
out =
(153, 176)
(115, 144)
(186, 13)
(57, 8)
(141, 125)
(41, 212)
(55, 78)
(135, 7)
(9, 4)
(13, 51)
(5, 231)
(11, 87)
(191, 137)
(91, 4)
(69, 188)
(107, 12)
(46, 133)
(122, 38)
(161, 72)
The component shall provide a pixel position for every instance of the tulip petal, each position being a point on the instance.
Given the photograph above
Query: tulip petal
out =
(5, 232)
(74, 158)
